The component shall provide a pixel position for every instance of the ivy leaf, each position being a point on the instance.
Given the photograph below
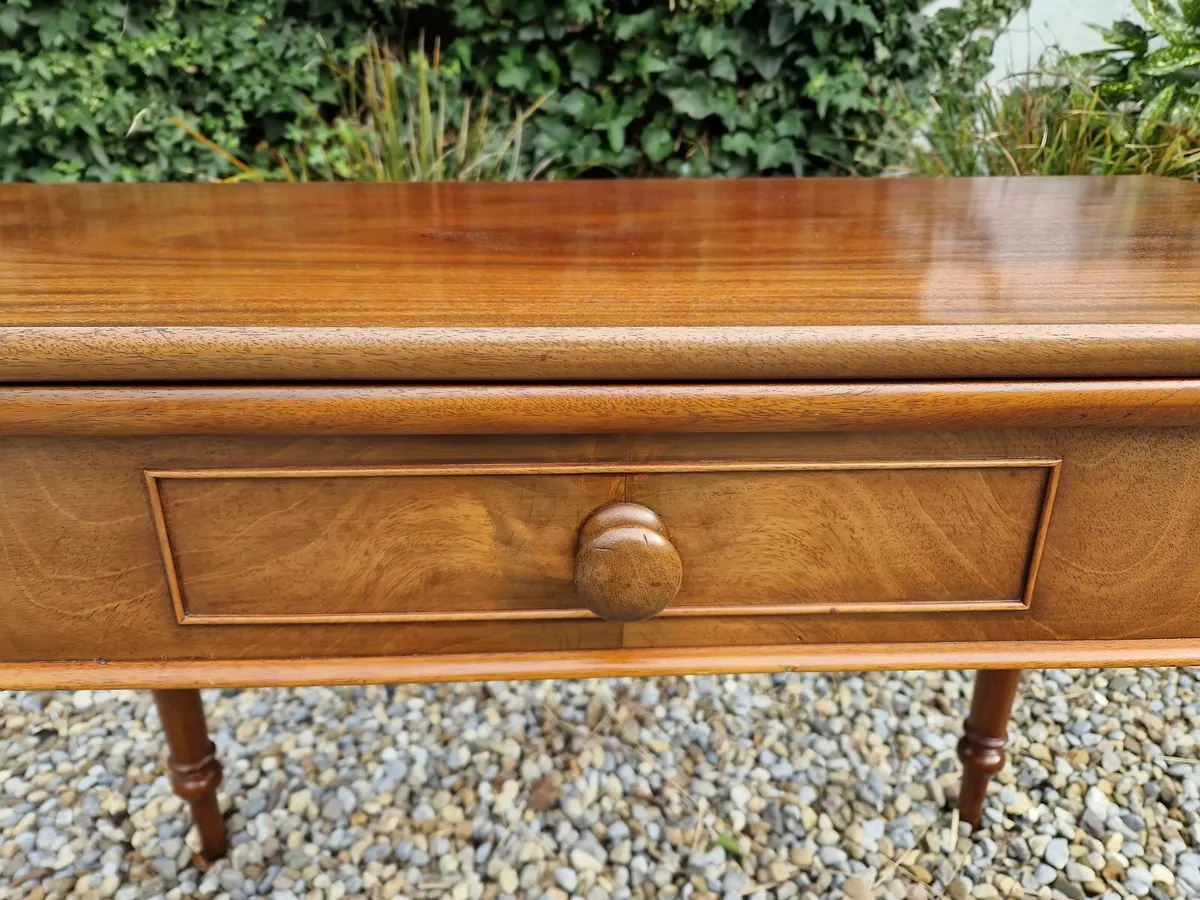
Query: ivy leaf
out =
(775, 154)
(580, 12)
(791, 124)
(10, 20)
(616, 134)
(694, 101)
(723, 68)
(1170, 60)
(828, 7)
(767, 64)
(627, 27)
(860, 12)
(514, 72)
(740, 143)
(649, 64)
(781, 27)
(579, 105)
(821, 38)
(657, 142)
(586, 62)
(709, 42)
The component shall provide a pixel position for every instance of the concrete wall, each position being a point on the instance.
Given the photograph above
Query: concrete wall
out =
(1062, 22)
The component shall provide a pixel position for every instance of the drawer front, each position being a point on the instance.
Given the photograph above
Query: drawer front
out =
(862, 536)
(239, 548)
(447, 543)
(371, 544)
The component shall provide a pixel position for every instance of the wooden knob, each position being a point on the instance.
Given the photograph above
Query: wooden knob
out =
(626, 568)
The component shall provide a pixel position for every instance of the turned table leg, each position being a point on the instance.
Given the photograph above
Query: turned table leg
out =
(982, 746)
(195, 772)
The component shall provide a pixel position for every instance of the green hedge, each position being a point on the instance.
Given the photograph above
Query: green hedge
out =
(723, 87)
(87, 86)
(697, 87)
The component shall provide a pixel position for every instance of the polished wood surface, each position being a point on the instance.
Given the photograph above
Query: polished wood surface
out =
(428, 543)
(626, 568)
(372, 545)
(678, 353)
(906, 536)
(603, 253)
(193, 766)
(82, 575)
(595, 409)
(985, 732)
(96, 281)
(750, 659)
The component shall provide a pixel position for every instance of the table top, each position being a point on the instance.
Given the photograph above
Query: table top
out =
(582, 280)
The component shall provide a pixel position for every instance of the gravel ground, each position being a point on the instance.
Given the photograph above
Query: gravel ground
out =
(765, 787)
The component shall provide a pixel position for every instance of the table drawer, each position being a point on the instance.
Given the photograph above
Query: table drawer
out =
(445, 543)
(423, 543)
(861, 536)
(142, 550)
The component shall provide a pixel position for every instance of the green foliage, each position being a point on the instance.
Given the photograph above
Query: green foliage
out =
(1058, 124)
(398, 121)
(87, 87)
(722, 87)
(718, 87)
(1155, 63)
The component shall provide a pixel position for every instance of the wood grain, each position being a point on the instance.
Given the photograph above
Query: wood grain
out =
(497, 541)
(602, 253)
(81, 576)
(570, 354)
(595, 409)
(744, 660)
(626, 568)
(890, 539)
(391, 547)
(696, 280)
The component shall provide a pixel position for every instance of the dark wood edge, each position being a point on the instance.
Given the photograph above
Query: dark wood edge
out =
(786, 353)
(595, 409)
(186, 617)
(1043, 529)
(166, 552)
(196, 673)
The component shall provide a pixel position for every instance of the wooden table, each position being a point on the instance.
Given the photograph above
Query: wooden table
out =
(338, 434)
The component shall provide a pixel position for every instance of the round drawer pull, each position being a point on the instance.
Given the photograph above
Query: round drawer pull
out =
(626, 568)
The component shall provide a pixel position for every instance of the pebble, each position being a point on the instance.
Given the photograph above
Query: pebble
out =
(857, 888)
(1080, 873)
(566, 879)
(507, 880)
(1057, 852)
(1138, 881)
(827, 786)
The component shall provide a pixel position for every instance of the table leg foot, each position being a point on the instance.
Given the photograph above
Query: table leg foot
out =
(195, 772)
(985, 732)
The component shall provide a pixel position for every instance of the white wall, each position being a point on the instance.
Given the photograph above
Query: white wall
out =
(1062, 22)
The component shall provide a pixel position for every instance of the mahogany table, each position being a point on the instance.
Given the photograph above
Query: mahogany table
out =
(293, 434)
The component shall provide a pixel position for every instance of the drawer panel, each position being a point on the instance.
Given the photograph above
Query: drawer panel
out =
(83, 581)
(371, 544)
(446, 543)
(897, 536)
